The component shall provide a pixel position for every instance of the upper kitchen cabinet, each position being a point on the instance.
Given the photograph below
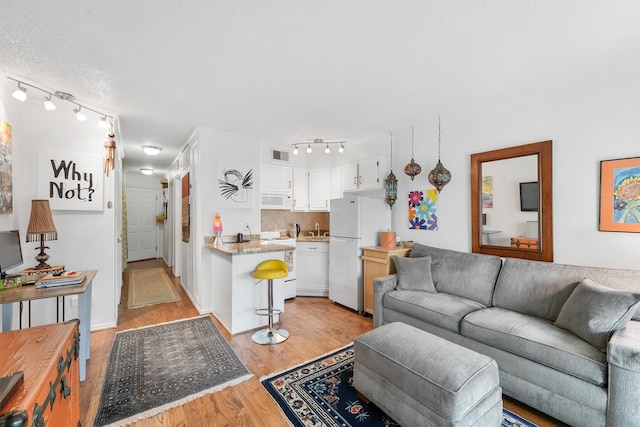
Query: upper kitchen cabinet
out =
(275, 179)
(300, 190)
(336, 183)
(362, 176)
(319, 189)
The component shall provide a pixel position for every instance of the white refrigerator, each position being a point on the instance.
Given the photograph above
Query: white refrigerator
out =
(355, 222)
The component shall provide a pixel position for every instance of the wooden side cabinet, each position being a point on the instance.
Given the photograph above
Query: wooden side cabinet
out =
(378, 261)
(48, 357)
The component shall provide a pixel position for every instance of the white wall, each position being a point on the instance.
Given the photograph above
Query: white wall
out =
(590, 117)
(86, 239)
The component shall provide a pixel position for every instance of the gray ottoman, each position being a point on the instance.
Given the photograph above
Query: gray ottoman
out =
(419, 379)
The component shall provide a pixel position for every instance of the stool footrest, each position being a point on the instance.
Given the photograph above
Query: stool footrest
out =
(268, 312)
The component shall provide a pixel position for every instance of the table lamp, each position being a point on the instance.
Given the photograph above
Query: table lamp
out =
(217, 229)
(41, 227)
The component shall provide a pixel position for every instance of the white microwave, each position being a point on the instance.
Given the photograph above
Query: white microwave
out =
(275, 201)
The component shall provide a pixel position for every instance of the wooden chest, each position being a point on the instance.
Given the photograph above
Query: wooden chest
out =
(48, 356)
(524, 243)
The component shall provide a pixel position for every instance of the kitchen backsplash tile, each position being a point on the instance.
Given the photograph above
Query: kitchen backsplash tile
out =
(281, 220)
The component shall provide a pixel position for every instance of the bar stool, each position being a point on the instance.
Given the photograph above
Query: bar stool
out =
(270, 269)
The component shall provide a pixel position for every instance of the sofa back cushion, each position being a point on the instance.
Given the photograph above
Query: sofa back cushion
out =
(472, 276)
(541, 288)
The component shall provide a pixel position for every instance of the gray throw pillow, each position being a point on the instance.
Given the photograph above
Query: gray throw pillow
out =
(414, 274)
(593, 312)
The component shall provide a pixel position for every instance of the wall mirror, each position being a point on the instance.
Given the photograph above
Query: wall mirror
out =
(512, 202)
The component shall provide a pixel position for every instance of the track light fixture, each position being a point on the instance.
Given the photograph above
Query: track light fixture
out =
(327, 144)
(21, 95)
(79, 114)
(48, 105)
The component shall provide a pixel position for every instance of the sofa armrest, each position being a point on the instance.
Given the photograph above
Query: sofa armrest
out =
(623, 356)
(381, 285)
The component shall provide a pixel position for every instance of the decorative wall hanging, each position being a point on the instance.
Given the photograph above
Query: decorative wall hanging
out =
(70, 181)
(186, 225)
(6, 177)
(391, 183)
(235, 187)
(620, 195)
(412, 169)
(423, 210)
(110, 148)
(439, 176)
(487, 191)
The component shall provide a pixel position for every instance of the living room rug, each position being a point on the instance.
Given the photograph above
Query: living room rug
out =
(321, 393)
(159, 367)
(148, 286)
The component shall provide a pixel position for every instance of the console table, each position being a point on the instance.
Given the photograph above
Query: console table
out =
(30, 292)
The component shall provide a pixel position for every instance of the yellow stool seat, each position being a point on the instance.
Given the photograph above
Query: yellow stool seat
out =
(271, 269)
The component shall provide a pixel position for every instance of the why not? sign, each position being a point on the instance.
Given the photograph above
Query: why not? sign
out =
(70, 181)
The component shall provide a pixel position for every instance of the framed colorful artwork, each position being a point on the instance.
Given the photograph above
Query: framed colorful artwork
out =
(6, 178)
(620, 195)
(487, 191)
(423, 210)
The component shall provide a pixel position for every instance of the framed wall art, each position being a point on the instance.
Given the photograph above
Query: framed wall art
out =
(620, 195)
(235, 186)
(6, 176)
(70, 181)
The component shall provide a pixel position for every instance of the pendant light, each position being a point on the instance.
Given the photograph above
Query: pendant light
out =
(391, 183)
(412, 169)
(439, 176)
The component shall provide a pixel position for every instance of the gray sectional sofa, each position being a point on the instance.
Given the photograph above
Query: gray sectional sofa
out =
(566, 338)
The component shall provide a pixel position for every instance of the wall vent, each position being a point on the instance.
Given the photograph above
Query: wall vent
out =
(282, 156)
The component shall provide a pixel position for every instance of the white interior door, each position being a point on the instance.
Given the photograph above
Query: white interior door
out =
(141, 223)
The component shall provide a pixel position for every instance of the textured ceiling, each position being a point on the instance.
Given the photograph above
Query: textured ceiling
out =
(296, 70)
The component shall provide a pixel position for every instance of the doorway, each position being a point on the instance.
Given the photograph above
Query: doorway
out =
(141, 223)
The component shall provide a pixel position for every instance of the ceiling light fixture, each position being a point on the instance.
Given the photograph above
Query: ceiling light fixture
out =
(151, 150)
(21, 95)
(320, 141)
(79, 114)
(146, 171)
(48, 105)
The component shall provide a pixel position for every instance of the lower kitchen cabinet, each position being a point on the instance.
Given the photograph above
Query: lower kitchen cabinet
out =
(313, 269)
(377, 262)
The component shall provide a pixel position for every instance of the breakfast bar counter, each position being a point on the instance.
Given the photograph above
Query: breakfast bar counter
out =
(235, 294)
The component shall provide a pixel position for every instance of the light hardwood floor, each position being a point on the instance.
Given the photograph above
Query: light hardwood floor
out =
(316, 326)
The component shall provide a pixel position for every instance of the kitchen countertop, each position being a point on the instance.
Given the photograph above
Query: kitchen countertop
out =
(312, 239)
(252, 247)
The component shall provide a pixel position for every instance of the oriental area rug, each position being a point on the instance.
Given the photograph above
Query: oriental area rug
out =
(148, 286)
(155, 368)
(320, 393)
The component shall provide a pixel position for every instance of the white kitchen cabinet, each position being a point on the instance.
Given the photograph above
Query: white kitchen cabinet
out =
(361, 176)
(300, 190)
(349, 176)
(319, 189)
(336, 183)
(275, 179)
(313, 269)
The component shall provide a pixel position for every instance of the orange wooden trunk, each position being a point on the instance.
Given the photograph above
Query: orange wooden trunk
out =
(48, 356)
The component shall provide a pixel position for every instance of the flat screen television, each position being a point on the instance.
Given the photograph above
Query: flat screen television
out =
(529, 196)
(10, 251)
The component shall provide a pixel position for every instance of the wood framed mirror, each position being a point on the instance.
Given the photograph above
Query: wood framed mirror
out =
(512, 202)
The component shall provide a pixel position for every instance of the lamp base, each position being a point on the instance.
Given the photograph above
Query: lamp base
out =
(42, 257)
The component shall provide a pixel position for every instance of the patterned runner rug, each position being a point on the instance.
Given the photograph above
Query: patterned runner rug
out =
(159, 367)
(149, 286)
(320, 393)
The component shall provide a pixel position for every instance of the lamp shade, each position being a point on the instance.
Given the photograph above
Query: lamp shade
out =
(41, 222)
